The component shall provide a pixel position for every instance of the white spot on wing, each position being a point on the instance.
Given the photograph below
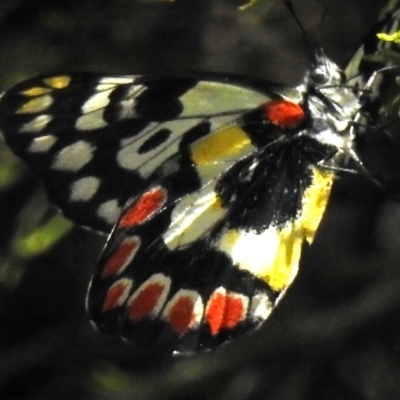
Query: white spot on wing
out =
(37, 124)
(42, 144)
(272, 255)
(105, 86)
(252, 251)
(73, 157)
(127, 106)
(216, 97)
(127, 109)
(84, 189)
(193, 216)
(261, 307)
(91, 121)
(109, 211)
(97, 101)
(118, 80)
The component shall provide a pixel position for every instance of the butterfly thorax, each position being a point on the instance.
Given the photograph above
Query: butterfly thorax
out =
(332, 102)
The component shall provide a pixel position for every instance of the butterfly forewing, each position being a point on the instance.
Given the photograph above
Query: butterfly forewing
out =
(96, 140)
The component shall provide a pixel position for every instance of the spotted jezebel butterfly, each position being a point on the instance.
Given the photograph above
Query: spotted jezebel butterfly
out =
(209, 184)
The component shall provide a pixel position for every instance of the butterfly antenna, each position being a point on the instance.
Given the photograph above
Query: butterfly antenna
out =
(310, 48)
(289, 5)
(321, 21)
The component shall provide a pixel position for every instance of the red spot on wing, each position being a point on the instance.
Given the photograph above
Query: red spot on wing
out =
(181, 314)
(215, 310)
(225, 310)
(284, 114)
(116, 295)
(121, 257)
(235, 311)
(145, 207)
(145, 301)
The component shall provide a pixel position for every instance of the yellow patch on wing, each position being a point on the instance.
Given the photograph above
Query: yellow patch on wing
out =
(36, 91)
(223, 145)
(217, 152)
(36, 105)
(315, 200)
(58, 82)
(286, 262)
(273, 255)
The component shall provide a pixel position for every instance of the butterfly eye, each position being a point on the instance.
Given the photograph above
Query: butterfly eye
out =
(319, 77)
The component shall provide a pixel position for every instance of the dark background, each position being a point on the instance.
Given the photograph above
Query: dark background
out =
(335, 335)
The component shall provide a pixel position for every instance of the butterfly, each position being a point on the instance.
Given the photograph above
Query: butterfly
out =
(208, 186)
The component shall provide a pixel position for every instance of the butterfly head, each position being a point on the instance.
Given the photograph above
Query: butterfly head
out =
(329, 94)
(332, 105)
(324, 72)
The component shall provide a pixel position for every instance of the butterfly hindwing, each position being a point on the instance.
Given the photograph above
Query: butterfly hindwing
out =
(96, 140)
(198, 269)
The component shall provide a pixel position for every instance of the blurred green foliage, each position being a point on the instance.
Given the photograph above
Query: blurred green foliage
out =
(37, 226)
(10, 170)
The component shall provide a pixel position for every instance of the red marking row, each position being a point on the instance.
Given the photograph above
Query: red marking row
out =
(284, 114)
(121, 257)
(144, 207)
(225, 310)
(147, 300)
